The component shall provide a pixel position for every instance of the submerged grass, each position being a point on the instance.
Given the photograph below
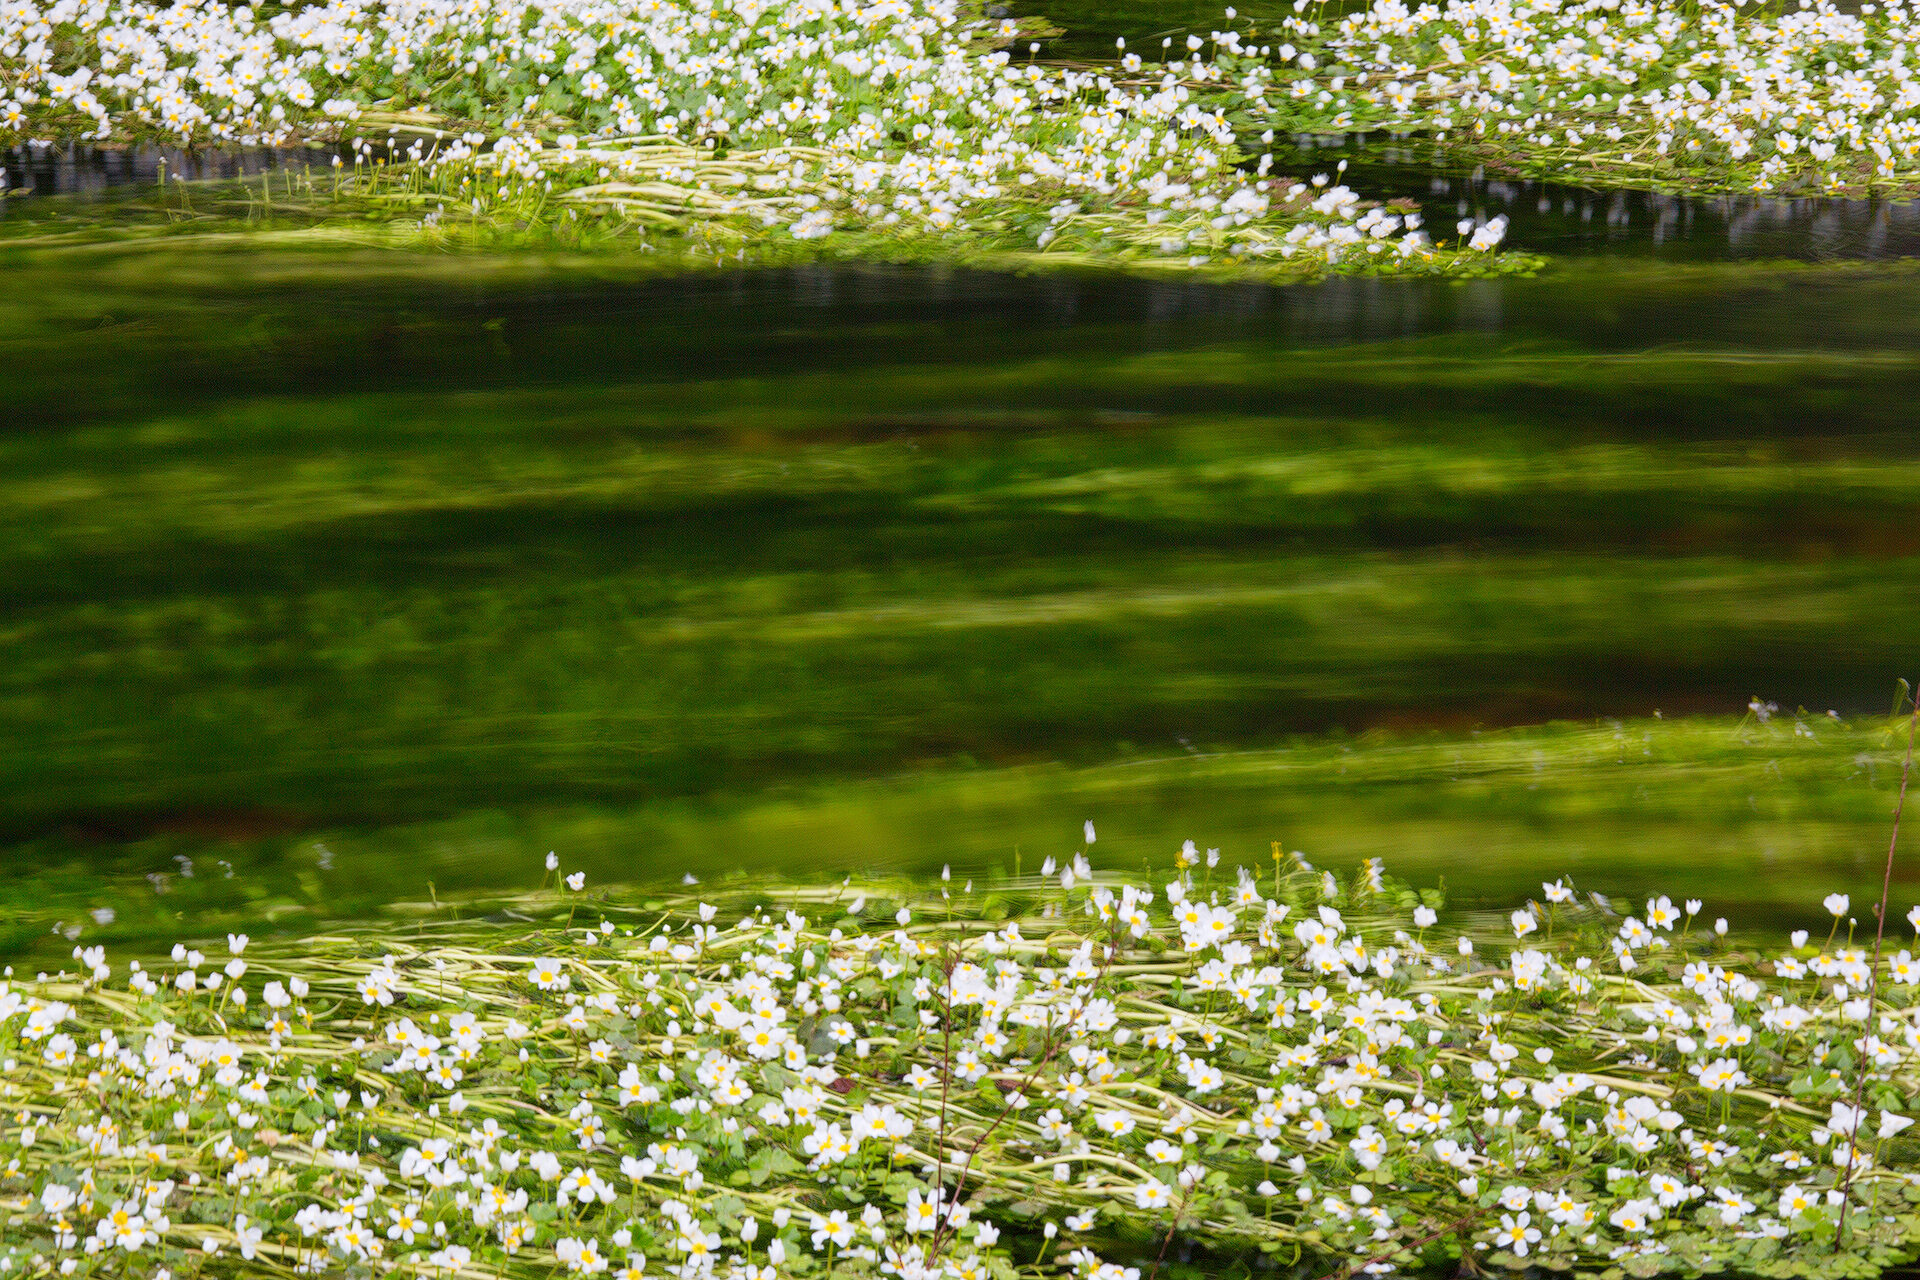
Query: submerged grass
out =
(1762, 818)
(522, 593)
(531, 552)
(1027, 1077)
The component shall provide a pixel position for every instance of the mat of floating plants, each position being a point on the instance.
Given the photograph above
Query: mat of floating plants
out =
(1076, 1076)
(747, 123)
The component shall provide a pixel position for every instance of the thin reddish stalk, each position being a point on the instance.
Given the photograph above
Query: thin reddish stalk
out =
(945, 1230)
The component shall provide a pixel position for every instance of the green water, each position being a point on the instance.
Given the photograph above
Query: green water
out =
(351, 573)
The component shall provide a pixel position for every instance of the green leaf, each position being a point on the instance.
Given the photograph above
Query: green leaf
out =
(769, 1161)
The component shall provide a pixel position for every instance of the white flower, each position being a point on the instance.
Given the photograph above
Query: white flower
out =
(1846, 1119)
(923, 1210)
(452, 1258)
(1516, 1234)
(1722, 1074)
(1634, 1217)
(548, 975)
(835, 1227)
(1836, 904)
(1732, 1205)
(1152, 1194)
(246, 1236)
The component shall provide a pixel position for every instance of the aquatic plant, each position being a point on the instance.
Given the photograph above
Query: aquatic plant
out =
(1714, 96)
(1054, 1075)
(800, 119)
(786, 120)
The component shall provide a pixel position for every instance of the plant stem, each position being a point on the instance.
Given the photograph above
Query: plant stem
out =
(1171, 1228)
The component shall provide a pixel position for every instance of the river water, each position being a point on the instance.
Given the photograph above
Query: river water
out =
(327, 576)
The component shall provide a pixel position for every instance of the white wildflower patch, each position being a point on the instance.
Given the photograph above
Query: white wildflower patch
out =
(773, 121)
(1719, 95)
(944, 1084)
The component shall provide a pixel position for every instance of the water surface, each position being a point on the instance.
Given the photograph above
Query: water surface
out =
(347, 572)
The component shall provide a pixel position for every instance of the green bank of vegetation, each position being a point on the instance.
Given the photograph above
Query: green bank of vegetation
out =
(1059, 1075)
(772, 133)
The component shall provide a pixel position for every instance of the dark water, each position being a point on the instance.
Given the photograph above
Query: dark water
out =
(75, 170)
(1566, 219)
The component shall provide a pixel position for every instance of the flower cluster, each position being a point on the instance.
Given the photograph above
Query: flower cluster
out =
(917, 115)
(791, 118)
(1044, 1077)
(1721, 94)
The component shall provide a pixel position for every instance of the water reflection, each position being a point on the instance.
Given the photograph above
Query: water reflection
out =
(88, 171)
(1564, 219)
